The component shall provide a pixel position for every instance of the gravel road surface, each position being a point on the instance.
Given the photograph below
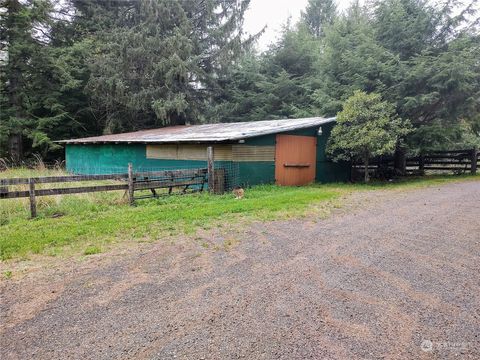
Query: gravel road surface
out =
(395, 275)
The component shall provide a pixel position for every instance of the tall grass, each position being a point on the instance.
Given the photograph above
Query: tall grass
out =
(13, 209)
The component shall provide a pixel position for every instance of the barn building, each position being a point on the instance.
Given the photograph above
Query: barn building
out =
(286, 152)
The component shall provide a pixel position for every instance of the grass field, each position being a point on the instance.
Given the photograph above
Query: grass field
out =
(86, 224)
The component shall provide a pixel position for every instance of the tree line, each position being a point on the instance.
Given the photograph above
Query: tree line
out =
(75, 68)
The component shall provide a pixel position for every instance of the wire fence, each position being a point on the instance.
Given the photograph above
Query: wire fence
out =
(227, 173)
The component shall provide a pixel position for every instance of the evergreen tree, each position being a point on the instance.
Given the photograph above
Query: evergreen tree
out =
(275, 84)
(439, 86)
(161, 61)
(82, 67)
(353, 60)
(318, 15)
(243, 97)
(404, 27)
(29, 76)
(422, 59)
(142, 72)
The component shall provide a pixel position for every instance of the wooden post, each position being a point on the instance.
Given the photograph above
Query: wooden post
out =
(219, 182)
(130, 184)
(421, 164)
(33, 201)
(210, 170)
(473, 166)
(367, 174)
(352, 171)
(400, 161)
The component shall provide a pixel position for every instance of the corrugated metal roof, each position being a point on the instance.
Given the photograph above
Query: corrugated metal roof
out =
(219, 132)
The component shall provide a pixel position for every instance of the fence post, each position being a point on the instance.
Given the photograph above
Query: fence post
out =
(473, 166)
(210, 170)
(421, 164)
(130, 184)
(33, 201)
(400, 161)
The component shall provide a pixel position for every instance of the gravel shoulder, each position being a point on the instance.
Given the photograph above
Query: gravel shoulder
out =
(391, 275)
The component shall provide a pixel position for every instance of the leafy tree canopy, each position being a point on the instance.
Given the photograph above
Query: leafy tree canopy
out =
(366, 127)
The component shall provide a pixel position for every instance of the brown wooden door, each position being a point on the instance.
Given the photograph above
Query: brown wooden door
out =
(295, 160)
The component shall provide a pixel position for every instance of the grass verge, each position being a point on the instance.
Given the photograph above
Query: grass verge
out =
(87, 222)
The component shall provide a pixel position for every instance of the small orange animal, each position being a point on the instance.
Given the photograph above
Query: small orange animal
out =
(238, 192)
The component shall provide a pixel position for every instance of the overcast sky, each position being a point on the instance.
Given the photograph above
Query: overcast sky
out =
(274, 13)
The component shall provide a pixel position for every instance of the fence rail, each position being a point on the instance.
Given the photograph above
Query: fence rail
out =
(62, 191)
(60, 179)
(456, 161)
(186, 179)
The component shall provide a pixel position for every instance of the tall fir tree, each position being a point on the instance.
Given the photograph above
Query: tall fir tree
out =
(418, 57)
(353, 60)
(439, 86)
(161, 61)
(275, 84)
(319, 15)
(82, 67)
(31, 77)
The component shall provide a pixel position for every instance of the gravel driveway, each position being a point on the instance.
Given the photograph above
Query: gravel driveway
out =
(395, 278)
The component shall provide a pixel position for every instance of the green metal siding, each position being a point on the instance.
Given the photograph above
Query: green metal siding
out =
(256, 172)
(104, 158)
(266, 140)
(327, 170)
(303, 132)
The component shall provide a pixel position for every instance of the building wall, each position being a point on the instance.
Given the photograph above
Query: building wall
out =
(327, 170)
(107, 158)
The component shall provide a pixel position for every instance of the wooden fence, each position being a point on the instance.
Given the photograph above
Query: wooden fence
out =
(452, 161)
(457, 161)
(186, 179)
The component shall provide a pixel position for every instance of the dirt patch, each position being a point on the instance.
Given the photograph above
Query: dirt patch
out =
(392, 275)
